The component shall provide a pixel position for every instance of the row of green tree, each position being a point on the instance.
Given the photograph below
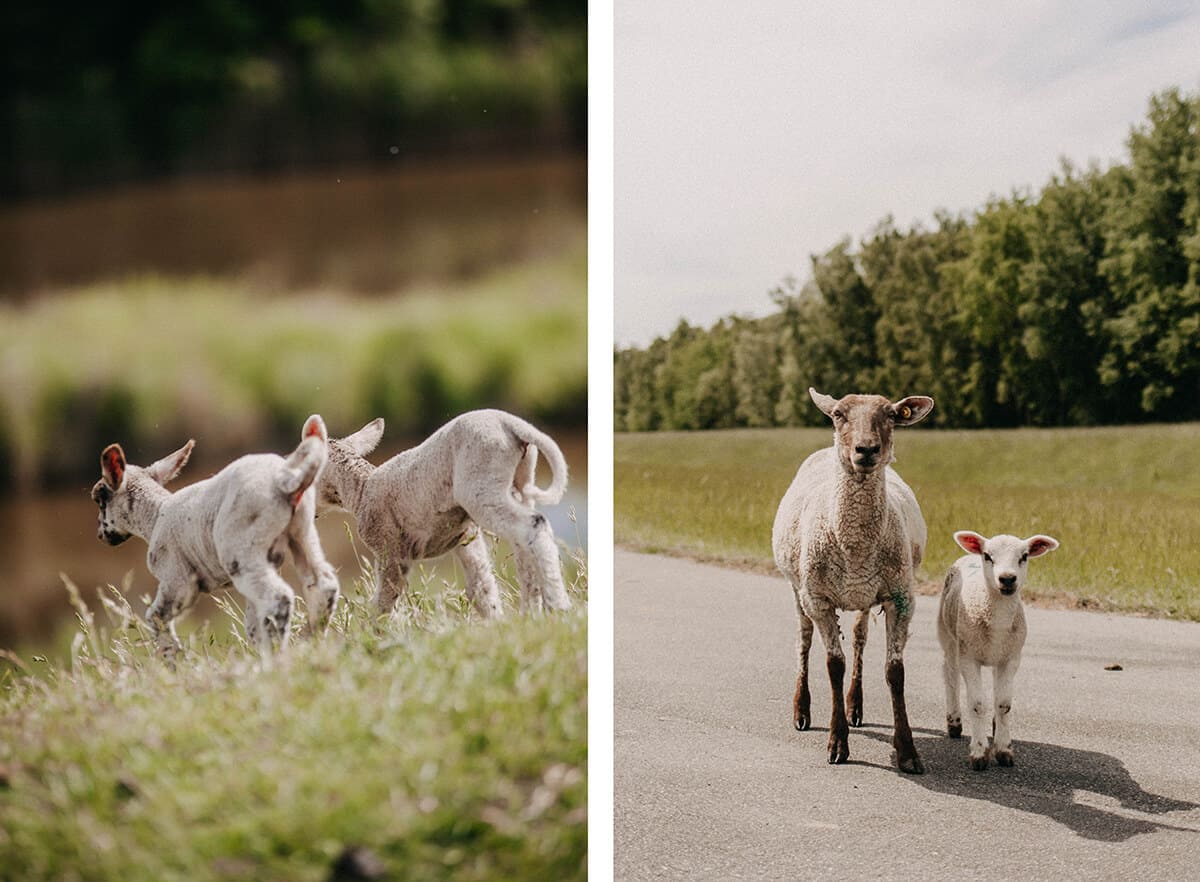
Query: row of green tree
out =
(93, 93)
(1077, 305)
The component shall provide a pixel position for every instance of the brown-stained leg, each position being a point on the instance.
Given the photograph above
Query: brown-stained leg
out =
(854, 698)
(801, 713)
(839, 730)
(902, 740)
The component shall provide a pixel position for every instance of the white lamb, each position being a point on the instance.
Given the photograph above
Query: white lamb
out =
(849, 535)
(981, 622)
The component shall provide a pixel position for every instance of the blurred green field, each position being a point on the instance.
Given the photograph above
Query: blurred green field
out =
(446, 747)
(1123, 501)
(153, 361)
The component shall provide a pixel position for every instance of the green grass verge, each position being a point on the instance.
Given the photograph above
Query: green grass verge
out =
(1123, 502)
(449, 749)
(153, 361)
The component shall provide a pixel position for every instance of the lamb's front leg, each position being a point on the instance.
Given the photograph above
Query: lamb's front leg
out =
(897, 614)
(973, 680)
(1002, 687)
(854, 698)
(953, 678)
(391, 581)
(171, 601)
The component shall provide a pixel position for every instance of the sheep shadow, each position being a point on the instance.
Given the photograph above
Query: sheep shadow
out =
(1044, 782)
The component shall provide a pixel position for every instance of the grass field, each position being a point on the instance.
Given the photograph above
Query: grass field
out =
(1124, 502)
(442, 748)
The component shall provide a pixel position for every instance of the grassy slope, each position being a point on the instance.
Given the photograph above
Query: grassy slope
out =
(451, 750)
(1123, 501)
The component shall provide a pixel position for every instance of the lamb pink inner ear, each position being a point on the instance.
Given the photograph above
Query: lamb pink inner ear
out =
(970, 543)
(115, 464)
(1039, 547)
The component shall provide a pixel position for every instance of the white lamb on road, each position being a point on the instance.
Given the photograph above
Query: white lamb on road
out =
(981, 622)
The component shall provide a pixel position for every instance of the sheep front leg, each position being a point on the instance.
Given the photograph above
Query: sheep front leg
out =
(825, 618)
(973, 679)
(1002, 686)
(897, 616)
(391, 581)
(801, 711)
(953, 678)
(854, 698)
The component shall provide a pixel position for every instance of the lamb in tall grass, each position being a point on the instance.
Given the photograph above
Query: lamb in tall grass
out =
(849, 536)
(476, 472)
(230, 529)
(981, 622)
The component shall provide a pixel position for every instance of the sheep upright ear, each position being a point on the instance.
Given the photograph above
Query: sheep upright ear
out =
(112, 466)
(826, 403)
(367, 438)
(169, 467)
(314, 426)
(969, 541)
(1039, 545)
(912, 409)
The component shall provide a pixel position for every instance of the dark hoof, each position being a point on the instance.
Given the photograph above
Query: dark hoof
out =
(911, 765)
(978, 764)
(839, 750)
(1004, 758)
(954, 731)
(854, 715)
(801, 722)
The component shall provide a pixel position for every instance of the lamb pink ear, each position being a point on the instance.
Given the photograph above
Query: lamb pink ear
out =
(1039, 545)
(112, 466)
(314, 426)
(970, 542)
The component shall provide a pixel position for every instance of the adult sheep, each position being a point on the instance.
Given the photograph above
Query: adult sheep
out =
(849, 536)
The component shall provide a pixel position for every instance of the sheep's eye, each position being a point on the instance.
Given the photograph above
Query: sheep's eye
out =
(1024, 557)
(988, 558)
(838, 415)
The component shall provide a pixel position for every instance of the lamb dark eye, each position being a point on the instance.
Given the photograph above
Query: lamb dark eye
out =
(1024, 557)
(988, 558)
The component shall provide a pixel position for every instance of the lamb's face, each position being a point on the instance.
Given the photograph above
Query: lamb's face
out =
(1004, 558)
(863, 426)
(111, 494)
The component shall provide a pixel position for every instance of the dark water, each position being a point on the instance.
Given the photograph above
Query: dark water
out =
(55, 533)
(360, 231)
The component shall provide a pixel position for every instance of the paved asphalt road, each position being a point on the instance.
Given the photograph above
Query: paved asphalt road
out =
(712, 781)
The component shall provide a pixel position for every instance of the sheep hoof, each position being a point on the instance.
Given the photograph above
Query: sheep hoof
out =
(954, 730)
(979, 763)
(801, 722)
(855, 715)
(839, 749)
(1004, 758)
(912, 765)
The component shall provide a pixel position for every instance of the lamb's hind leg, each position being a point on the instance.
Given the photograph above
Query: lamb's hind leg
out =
(824, 617)
(318, 581)
(854, 698)
(171, 601)
(897, 636)
(529, 533)
(481, 586)
(801, 701)
(953, 678)
(270, 600)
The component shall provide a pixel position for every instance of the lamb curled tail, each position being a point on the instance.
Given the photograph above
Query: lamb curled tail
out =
(303, 465)
(528, 434)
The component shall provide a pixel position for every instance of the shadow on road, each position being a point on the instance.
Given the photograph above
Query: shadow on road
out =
(1045, 781)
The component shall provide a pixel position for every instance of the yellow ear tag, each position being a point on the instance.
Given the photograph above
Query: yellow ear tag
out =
(905, 412)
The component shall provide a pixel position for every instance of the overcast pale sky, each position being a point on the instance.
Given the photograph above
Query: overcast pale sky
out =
(751, 135)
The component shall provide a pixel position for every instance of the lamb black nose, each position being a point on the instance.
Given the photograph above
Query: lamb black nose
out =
(1007, 581)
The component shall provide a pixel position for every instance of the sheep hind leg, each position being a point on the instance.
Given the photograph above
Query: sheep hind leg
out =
(801, 701)
(854, 697)
(907, 759)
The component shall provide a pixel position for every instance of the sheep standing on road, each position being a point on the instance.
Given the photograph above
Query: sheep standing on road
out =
(849, 535)
(981, 622)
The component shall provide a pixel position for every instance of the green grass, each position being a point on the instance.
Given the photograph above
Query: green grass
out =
(450, 749)
(153, 361)
(1123, 502)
